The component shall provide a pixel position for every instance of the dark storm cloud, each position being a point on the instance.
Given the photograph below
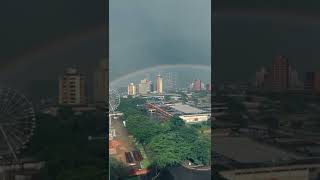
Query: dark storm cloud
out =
(146, 33)
(246, 40)
(37, 73)
(26, 26)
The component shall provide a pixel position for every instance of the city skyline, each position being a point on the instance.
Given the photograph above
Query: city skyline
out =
(147, 86)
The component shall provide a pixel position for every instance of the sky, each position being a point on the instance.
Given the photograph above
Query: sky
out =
(247, 40)
(39, 39)
(147, 33)
(28, 25)
(248, 34)
(36, 73)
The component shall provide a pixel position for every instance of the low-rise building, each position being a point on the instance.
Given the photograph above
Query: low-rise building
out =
(190, 114)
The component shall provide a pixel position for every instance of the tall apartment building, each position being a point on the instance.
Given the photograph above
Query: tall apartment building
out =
(261, 78)
(294, 81)
(312, 82)
(100, 90)
(197, 85)
(170, 81)
(280, 74)
(151, 86)
(159, 84)
(309, 81)
(72, 88)
(131, 89)
(144, 87)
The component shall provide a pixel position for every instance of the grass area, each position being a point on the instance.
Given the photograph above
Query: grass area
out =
(146, 163)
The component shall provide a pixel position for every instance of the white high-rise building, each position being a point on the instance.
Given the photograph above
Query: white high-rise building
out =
(144, 87)
(131, 89)
(294, 81)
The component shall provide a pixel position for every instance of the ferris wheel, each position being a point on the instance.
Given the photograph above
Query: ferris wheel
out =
(114, 100)
(17, 122)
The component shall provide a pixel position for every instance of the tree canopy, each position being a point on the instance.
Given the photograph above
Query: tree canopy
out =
(168, 143)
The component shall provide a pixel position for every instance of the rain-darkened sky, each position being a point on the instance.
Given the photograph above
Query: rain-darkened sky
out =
(249, 34)
(246, 41)
(146, 33)
(29, 25)
(39, 39)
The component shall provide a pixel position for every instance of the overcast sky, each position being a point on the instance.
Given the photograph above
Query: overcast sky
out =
(145, 33)
(247, 40)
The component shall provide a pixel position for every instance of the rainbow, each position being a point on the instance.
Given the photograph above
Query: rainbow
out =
(205, 68)
(60, 43)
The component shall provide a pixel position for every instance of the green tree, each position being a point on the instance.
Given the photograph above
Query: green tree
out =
(190, 135)
(175, 122)
(142, 128)
(200, 153)
(168, 150)
(184, 97)
(167, 98)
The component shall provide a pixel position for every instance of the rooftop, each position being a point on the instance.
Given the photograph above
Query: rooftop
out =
(186, 109)
(245, 150)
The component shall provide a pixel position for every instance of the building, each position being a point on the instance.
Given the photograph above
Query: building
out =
(131, 89)
(208, 88)
(144, 87)
(197, 85)
(137, 88)
(280, 74)
(312, 82)
(254, 154)
(219, 109)
(261, 78)
(72, 88)
(100, 76)
(309, 81)
(170, 81)
(159, 84)
(151, 86)
(23, 170)
(317, 82)
(190, 114)
(294, 81)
